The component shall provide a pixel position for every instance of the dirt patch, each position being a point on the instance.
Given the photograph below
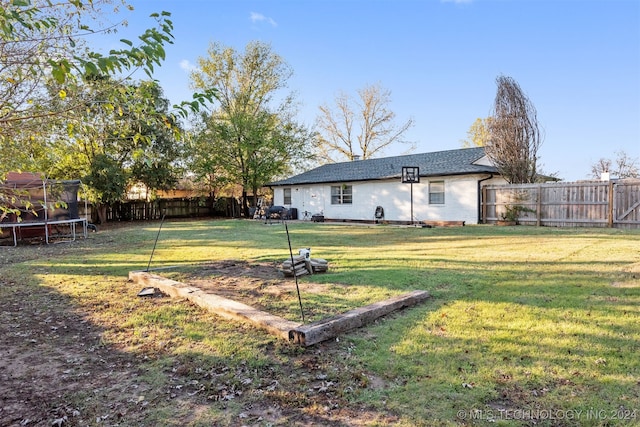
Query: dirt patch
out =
(248, 282)
(263, 286)
(49, 351)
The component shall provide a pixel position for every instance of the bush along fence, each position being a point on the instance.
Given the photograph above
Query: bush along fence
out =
(614, 204)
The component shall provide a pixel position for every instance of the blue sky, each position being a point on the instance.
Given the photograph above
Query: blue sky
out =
(577, 60)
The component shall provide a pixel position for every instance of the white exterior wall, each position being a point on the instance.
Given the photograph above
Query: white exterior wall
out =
(460, 200)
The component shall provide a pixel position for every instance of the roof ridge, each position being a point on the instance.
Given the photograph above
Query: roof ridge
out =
(438, 163)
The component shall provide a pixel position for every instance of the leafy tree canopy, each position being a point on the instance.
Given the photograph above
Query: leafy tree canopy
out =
(44, 43)
(72, 112)
(251, 136)
(478, 134)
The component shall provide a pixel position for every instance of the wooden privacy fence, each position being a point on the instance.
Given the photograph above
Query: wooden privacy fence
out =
(137, 210)
(171, 208)
(566, 204)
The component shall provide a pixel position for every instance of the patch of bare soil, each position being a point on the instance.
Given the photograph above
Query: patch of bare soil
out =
(55, 369)
(248, 282)
(48, 351)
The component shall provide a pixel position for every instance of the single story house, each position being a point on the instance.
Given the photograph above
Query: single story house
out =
(447, 188)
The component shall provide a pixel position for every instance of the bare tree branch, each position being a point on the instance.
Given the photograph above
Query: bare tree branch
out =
(515, 134)
(376, 122)
(624, 167)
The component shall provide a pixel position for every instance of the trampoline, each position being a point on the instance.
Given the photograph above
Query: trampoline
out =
(48, 208)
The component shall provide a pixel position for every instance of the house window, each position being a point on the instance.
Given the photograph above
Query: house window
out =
(341, 195)
(436, 192)
(287, 196)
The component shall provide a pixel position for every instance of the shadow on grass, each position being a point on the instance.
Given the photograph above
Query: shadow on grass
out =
(511, 346)
(55, 365)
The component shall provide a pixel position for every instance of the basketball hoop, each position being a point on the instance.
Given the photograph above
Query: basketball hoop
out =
(411, 175)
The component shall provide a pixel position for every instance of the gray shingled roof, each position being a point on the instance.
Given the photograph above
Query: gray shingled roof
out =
(440, 163)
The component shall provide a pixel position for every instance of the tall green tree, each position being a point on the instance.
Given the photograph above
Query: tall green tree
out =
(63, 107)
(127, 137)
(42, 43)
(160, 163)
(515, 135)
(251, 137)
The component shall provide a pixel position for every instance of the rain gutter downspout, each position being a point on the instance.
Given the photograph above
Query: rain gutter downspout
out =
(480, 196)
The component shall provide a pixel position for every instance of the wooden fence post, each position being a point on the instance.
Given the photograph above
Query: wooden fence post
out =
(539, 206)
(483, 206)
(610, 220)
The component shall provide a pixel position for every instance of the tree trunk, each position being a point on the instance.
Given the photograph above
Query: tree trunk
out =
(245, 205)
(102, 213)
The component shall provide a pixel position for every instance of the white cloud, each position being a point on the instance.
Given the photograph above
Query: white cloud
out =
(258, 17)
(187, 66)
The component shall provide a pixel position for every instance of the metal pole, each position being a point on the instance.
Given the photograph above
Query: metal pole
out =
(295, 275)
(156, 242)
(411, 202)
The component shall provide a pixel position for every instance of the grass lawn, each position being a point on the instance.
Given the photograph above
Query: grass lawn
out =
(526, 326)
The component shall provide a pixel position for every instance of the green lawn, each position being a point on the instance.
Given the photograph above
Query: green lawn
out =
(526, 326)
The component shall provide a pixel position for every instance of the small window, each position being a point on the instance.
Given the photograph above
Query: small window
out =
(341, 195)
(436, 192)
(287, 196)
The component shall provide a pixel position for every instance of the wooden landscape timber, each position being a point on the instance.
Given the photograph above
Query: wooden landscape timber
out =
(443, 223)
(306, 335)
(224, 307)
(325, 329)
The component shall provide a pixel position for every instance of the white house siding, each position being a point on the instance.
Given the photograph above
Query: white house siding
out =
(310, 199)
(461, 200)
